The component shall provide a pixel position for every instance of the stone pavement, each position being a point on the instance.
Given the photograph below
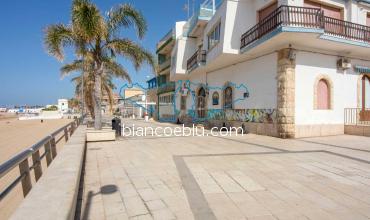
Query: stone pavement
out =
(238, 177)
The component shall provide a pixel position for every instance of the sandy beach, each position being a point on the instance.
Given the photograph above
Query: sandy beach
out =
(16, 136)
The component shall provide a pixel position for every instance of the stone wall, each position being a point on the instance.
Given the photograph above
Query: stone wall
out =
(286, 94)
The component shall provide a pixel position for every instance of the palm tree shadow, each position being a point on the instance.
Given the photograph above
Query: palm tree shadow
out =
(107, 189)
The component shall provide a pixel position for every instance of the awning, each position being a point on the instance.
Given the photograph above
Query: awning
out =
(362, 69)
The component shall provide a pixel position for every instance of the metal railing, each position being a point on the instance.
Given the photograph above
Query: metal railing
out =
(166, 87)
(199, 57)
(346, 29)
(308, 18)
(357, 116)
(21, 159)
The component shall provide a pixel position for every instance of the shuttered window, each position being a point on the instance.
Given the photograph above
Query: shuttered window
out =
(323, 95)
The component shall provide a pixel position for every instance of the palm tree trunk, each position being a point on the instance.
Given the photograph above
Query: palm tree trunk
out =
(97, 100)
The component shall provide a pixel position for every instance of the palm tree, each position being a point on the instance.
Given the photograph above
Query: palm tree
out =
(97, 40)
(88, 87)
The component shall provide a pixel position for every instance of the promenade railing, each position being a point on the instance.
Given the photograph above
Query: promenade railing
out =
(21, 160)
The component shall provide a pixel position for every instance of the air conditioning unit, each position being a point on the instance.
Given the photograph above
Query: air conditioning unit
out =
(344, 63)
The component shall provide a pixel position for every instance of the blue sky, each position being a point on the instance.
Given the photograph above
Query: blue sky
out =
(30, 76)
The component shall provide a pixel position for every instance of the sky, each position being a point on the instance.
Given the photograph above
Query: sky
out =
(29, 76)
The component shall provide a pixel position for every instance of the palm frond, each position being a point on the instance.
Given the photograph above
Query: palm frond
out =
(115, 69)
(87, 21)
(56, 37)
(132, 51)
(125, 15)
(75, 66)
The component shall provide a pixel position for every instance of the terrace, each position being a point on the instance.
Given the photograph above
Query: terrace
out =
(200, 18)
(307, 20)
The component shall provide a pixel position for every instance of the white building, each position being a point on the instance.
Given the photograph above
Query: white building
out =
(286, 68)
(63, 105)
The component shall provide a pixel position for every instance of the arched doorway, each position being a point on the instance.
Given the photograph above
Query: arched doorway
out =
(228, 98)
(201, 103)
(365, 98)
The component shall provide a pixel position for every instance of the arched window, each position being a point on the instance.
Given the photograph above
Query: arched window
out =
(323, 94)
(228, 98)
(215, 98)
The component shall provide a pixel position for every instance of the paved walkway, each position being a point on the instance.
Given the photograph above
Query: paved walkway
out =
(249, 177)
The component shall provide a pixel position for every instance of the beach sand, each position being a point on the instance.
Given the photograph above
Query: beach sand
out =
(16, 136)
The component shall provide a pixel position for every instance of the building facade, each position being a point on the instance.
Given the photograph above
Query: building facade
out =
(284, 68)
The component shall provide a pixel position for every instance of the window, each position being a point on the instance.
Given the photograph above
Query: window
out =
(228, 97)
(183, 102)
(368, 19)
(214, 36)
(323, 95)
(215, 98)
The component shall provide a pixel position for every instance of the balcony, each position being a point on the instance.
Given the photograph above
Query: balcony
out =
(165, 42)
(308, 18)
(164, 64)
(166, 87)
(152, 83)
(197, 59)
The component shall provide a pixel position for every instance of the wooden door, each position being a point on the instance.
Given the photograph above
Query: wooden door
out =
(329, 11)
(263, 13)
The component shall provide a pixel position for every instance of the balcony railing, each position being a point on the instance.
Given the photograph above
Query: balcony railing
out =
(308, 18)
(199, 57)
(347, 29)
(166, 87)
(357, 116)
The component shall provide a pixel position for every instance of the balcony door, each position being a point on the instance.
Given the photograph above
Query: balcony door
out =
(264, 12)
(267, 24)
(329, 11)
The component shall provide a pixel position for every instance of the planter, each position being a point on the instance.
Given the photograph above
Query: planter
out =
(105, 134)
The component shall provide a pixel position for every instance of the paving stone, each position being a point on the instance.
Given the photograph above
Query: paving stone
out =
(135, 206)
(329, 182)
(155, 205)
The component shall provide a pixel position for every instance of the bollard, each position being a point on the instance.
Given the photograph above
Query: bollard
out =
(37, 165)
(24, 170)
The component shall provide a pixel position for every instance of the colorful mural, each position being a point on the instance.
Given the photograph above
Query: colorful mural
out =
(243, 115)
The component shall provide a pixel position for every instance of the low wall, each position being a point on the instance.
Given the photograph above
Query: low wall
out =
(302, 131)
(359, 130)
(55, 194)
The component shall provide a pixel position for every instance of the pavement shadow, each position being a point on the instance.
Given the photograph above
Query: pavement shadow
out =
(107, 189)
